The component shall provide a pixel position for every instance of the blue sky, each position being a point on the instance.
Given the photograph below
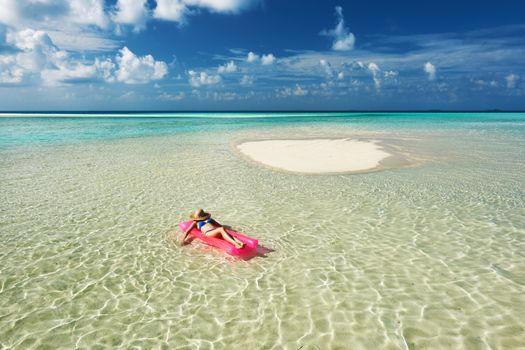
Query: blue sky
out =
(261, 55)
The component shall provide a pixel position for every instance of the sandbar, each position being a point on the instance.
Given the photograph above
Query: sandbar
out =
(316, 156)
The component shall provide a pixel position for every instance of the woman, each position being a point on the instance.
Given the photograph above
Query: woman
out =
(210, 228)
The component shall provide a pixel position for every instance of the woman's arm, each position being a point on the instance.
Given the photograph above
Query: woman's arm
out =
(187, 232)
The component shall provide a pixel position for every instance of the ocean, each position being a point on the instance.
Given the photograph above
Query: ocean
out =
(426, 256)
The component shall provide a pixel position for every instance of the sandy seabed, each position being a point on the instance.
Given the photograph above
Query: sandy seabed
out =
(425, 257)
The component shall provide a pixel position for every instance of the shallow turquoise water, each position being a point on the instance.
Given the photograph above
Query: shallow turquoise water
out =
(15, 131)
(424, 257)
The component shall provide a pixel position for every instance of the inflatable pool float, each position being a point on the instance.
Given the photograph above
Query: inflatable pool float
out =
(250, 244)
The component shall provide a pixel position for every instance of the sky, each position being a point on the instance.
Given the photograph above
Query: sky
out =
(179, 55)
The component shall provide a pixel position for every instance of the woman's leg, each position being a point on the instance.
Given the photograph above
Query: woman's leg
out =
(220, 231)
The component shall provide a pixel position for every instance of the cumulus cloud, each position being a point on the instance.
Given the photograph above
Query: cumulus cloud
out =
(170, 10)
(296, 91)
(39, 60)
(131, 12)
(88, 12)
(63, 15)
(10, 72)
(177, 10)
(390, 74)
(267, 59)
(226, 6)
(247, 80)
(229, 67)
(27, 13)
(80, 25)
(374, 70)
(511, 80)
(138, 70)
(197, 79)
(10, 12)
(68, 73)
(225, 96)
(106, 69)
(36, 52)
(430, 69)
(299, 91)
(343, 40)
(171, 97)
(327, 67)
(252, 57)
(128, 69)
(29, 39)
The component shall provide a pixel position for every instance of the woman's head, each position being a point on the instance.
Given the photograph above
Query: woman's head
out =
(199, 215)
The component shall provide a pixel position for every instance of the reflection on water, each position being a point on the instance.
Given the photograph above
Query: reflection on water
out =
(423, 257)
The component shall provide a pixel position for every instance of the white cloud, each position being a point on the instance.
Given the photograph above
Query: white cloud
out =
(229, 67)
(171, 97)
(71, 19)
(36, 53)
(88, 12)
(66, 73)
(106, 68)
(75, 25)
(299, 91)
(430, 69)
(197, 79)
(267, 59)
(72, 24)
(247, 80)
(223, 6)
(296, 91)
(177, 10)
(38, 59)
(29, 39)
(10, 12)
(225, 96)
(252, 57)
(131, 12)
(170, 10)
(343, 39)
(82, 40)
(52, 13)
(128, 69)
(390, 74)
(10, 72)
(138, 70)
(340, 76)
(374, 69)
(327, 67)
(511, 80)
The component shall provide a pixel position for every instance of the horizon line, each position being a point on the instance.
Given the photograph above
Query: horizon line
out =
(87, 112)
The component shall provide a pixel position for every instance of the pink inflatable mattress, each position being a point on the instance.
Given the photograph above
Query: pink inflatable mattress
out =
(250, 244)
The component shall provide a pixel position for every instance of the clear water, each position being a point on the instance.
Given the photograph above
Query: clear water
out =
(425, 257)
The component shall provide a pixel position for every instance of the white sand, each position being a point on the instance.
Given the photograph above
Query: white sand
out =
(316, 156)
